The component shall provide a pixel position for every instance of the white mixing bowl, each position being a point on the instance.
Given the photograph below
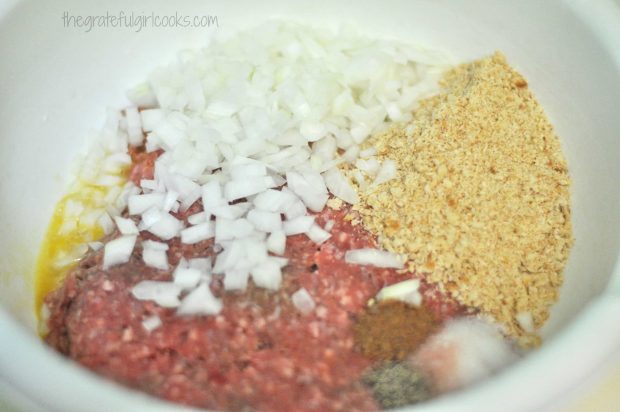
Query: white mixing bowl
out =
(55, 83)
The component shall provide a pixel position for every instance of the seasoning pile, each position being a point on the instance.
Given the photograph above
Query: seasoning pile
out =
(481, 204)
(391, 330)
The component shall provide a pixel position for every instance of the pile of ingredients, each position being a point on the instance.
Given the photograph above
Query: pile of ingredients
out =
(310, 220)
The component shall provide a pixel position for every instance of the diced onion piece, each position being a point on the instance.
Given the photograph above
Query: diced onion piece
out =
(227, 229)
(142, 96)
(203, 264)
(238, 189)
(212, 195)
(369, 166)
(274, 200)
(236, 279)
(265, 221)
(267, 275)
(151, 323)
(200, 301)
(374, 257)
(139, 204)
(134, 127)
(165, 294)
(329, 225)
(339, 186)
(233, 253)
(255, 250)
(167, 227)
(170, 200)
(371, 151)
(198, 233)
(221, 108)
(312, 131)
(151, 244)
(197, 218)
(243, 167)
(405, 291)
(230, 211)
(301, 224)
(126, 226)
(526, 321)
(106, 223)
(276, 242)
(150, 217)
(118, 251)
(386, 172)
(310, 190)
(154, 254)
(95, 245)
(317, 234)
(186, 277)
(149, 184)
(295, 210)
(303, 301)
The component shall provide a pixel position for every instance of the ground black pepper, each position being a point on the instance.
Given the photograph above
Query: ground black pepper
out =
(396, 384)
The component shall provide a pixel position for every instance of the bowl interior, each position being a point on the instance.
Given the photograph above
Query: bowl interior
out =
(57, 81)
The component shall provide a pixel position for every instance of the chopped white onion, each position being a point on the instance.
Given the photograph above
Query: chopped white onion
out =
(167, 227)
(126, 226)
(245, 132)
(154, 254)
(198, 233)
(276, 242)
(118, 251)
(134, 128)
(200, 301)
(274, 200)
(139, 204)
(212, 195)
(186, 277)
(386, 172)
(374, 257)
(406, 291)
(197, 218)
(238, 189)
(339, 186)
(526, 321)
(106, 223)
(317, 234)
(236, 279)
(310, 190)
(295, 210)
(301, 224)
(265, 221)
(303, 301)
(267, 275)
(202, 264)
(165, 294)
(151, 323)
(150, 217)
(329, 225)
(95, 245)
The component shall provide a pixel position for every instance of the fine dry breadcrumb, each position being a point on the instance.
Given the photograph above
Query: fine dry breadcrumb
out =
(481, 201)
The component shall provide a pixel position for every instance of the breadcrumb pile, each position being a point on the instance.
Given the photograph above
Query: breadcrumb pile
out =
(480, 204)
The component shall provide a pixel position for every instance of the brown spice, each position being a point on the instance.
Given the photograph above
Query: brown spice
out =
(391, 330)
(483, 195)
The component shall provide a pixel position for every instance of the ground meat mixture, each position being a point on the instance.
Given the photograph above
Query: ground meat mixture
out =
(259, 353)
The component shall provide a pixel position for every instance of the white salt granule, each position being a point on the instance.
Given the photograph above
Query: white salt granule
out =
(464, 351)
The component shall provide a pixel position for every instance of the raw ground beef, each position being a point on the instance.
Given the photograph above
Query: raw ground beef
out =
(259, 353)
